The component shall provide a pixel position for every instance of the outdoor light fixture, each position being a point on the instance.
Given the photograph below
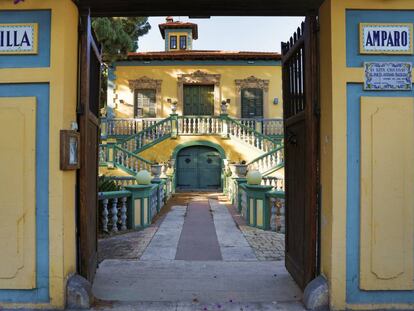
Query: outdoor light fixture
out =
(275, 101)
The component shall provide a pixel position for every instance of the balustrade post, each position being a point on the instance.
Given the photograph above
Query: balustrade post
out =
(114, 212)
(224, 126)
(141, 205)
(111, 153)
(259, 126)
(174, 125)
(258, 213)
(105, 215)
(124, 214)
(104, 128)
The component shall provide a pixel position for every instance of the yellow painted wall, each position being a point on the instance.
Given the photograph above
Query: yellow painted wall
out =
(62, 76)
(235, 152)
(334, 78)
(169, 88)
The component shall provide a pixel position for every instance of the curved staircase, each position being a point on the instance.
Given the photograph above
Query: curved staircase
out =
(124, 141)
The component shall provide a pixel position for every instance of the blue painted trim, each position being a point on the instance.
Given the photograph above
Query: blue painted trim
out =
(353, 293)
(42, 59)
(354, 17)
(198, 63)
(41, 293)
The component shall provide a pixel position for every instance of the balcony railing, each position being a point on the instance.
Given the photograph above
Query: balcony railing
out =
(187, 125)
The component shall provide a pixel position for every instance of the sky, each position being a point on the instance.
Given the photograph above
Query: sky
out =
(229, 33)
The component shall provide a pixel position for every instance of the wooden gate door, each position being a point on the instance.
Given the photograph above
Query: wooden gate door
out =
(88, 113)
(300, 95)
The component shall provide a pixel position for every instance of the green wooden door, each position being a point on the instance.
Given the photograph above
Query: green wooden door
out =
(198, 100)
(199, 168)
(252, 103)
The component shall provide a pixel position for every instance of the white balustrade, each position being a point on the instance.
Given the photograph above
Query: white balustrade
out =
(113, 210)
(277, 217)
(127, 127)
(105, 214)
(269, 161)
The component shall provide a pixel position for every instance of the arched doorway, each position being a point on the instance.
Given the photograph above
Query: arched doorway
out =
(199, 168)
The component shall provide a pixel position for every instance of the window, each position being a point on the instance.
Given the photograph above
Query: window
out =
(173, 42)
(252, 103)
(145, 104)
(183, 42)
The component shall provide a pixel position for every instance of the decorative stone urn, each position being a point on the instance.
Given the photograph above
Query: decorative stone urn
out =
(224, 107)
(254, 177)
(156, 170)
(238, 170)
(143, 177)
(174, 107)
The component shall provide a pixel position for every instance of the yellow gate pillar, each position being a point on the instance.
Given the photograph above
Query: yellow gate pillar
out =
(367, 153)
(38, 88)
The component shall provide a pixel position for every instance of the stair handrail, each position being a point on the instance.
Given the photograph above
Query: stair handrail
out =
(278, 165)
(145, 130)
(250, 130)
(138, 145)
(118, 147)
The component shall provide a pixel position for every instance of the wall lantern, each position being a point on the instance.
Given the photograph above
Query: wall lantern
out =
(275, 101)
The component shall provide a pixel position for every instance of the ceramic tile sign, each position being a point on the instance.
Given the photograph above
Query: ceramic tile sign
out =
(388, 76)
(386, 38)
(18, 39)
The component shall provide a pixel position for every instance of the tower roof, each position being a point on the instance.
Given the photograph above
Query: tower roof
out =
(171, 24)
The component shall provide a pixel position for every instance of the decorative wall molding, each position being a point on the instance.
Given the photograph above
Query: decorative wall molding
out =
(252, 82)
(145, 83)
(199, 77)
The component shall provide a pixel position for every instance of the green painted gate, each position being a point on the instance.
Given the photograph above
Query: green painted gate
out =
(199, 167)
(198, 100)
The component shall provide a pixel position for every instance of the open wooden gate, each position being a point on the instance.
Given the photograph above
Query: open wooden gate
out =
(300, 95)
(88, 119)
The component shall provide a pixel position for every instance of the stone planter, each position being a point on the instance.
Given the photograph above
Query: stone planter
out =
(156, 170)
(238, 170)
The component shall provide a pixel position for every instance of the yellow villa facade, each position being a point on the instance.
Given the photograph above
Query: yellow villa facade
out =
(227, 106)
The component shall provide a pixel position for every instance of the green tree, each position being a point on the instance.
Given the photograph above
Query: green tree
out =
(119, 35)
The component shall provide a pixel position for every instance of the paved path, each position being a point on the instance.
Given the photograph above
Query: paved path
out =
(163, 245)
(197, 260)
(194, 281)
(198, 239)
(233, 245)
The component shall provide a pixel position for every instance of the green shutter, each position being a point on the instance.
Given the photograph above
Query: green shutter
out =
(252, 103)
(198, 100)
